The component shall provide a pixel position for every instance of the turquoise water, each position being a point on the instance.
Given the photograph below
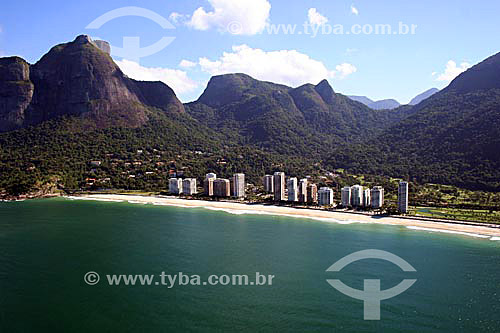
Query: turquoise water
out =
(47, 246)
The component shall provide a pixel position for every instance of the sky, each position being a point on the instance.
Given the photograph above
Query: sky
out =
(184, 43)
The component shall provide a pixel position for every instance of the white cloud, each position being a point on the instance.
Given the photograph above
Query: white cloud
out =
(178, 18)
(176, 79)
(288, 67)
(354, 10)
(452, 71)
(238, 17)
(344, 70)
(315, 18)
(187, 64)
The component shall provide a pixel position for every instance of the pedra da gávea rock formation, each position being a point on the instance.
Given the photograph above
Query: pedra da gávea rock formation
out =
(77, 79)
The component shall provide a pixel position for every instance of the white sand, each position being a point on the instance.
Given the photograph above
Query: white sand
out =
(339, 217)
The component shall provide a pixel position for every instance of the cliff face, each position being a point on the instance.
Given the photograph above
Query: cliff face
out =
(16, 92)
(76, 79)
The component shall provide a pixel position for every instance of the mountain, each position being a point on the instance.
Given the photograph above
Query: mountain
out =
(423, 96)
(309, 119)
(78, 79)
(362, 99)
(75, 106)
(386, 104)
(452, 137)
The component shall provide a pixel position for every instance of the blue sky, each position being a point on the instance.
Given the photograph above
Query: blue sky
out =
(450, 36)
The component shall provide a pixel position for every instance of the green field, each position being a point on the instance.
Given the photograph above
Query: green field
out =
(458, 214)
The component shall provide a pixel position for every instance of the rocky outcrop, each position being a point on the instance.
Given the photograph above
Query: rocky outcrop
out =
(77, 79)
(159, 95)
(16, 92)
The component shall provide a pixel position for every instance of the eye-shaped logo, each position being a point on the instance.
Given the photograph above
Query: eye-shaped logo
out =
(131, 49)
(371, 295)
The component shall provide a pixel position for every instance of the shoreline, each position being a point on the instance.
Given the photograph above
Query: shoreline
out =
(451, 227)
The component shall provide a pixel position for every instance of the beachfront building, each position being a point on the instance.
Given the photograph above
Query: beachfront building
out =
(312, 194)
(175, 186)
(367, 201)
(303, 190)
(293, 189)
(208, 184)
(239, 185)
(222, 188)
(377, 195)
(189, 186)
(325, 196)
(346, 196)
(357, 196)
(279, 186)
(268, 183)
(403, 197)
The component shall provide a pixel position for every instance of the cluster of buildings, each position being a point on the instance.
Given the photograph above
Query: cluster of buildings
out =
(185, 186)
(212, 186)
(298, 191)
(358, 196)
(291, 190)
(351, 196)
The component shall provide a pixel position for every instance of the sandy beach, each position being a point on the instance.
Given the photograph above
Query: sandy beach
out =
(340, 217)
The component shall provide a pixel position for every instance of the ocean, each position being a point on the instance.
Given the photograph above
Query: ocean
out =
(48, 246)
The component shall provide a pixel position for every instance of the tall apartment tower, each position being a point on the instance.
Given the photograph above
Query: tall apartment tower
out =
(303, 190)
(367, 201)
(175, 186)
(268, 184)
(222, 188)
(239, 185)
(293, 189)
(325, 196)
(312, 194)
(377, 197)
(208, 184)
(346, 196)
(279, 186)
(357, 196)
(189, 186)
(403, 197)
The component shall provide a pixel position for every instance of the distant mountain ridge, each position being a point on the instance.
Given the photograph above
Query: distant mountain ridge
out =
(385, 104)
(390, 104)
(423, 96)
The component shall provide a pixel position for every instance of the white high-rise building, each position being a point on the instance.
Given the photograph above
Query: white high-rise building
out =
(268, 183)
(279, 186)
(239, 185)
(175, 186)
(293, 189)
(189, 186)
(303, 190)
(346, 196)
(325, 196)
(377, 197)
(208, 184)
(367, 201)
(357, 196)
(403, 197)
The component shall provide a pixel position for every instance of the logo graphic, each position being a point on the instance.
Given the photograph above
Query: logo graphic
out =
(371, 295)
(91, 278)
(131, 49)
